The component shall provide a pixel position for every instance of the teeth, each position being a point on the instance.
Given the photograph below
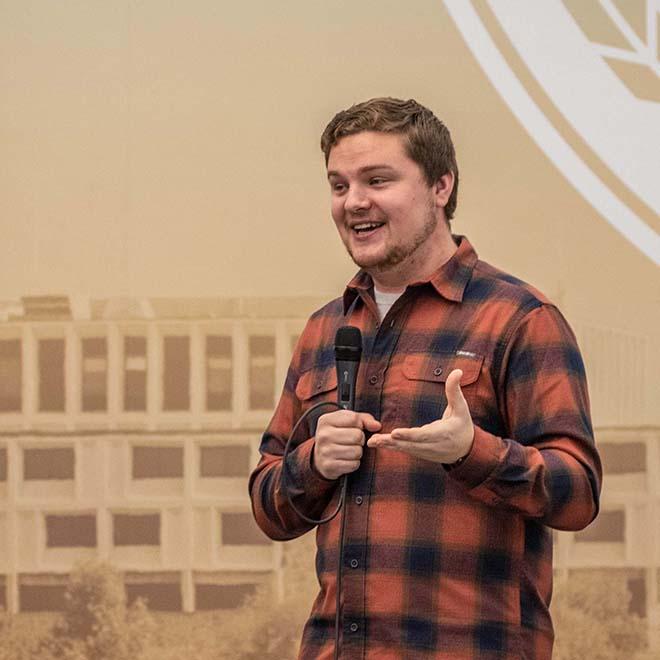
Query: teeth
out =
(367, 225)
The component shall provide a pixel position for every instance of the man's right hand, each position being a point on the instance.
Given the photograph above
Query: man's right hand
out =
(339, 440)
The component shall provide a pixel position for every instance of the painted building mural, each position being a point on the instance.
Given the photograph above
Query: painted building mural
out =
(166, 233)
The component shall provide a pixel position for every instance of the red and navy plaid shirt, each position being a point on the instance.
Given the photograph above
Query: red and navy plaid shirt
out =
(452, 564)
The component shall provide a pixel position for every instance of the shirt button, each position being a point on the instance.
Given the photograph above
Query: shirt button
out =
(359, 500)
(354, 563)
(437, 371)
(354, 627)
(374, 379)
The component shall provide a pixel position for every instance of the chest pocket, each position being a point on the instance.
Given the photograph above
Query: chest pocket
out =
(314, 386)
(427, 375)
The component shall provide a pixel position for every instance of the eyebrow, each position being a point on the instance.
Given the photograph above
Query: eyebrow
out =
(363, 170)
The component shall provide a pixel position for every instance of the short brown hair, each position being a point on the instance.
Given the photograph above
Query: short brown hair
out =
(426, 138)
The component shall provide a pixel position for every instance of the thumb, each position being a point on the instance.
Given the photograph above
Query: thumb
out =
(369, 422)
(455, 399)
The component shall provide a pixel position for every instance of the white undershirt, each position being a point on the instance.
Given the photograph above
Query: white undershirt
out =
(385, 301)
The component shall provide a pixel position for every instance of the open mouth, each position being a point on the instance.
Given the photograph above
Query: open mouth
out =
(367, 228)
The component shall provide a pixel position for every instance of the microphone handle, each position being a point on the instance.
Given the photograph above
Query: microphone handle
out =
(346, 378)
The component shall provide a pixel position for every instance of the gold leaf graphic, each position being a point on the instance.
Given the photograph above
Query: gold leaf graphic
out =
(626, 36)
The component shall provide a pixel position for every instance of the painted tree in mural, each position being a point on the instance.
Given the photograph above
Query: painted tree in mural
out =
(264, 628)
(96, 623)
(592, 619)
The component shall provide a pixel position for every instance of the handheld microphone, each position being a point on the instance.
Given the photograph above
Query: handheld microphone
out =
(348, 351)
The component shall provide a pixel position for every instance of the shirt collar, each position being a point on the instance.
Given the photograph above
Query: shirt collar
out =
(449, 280)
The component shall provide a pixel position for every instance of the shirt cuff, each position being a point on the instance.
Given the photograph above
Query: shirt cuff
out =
(482, 459)
(306, 478)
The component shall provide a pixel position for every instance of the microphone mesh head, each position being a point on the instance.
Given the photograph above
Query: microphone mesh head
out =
(348, 343)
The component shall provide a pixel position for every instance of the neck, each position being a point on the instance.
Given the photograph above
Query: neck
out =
(385, 289)
(418, 267)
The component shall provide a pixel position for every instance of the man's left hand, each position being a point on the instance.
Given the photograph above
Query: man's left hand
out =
(444, 441)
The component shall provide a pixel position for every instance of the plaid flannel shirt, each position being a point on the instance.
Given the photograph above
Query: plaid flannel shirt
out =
(452, 564)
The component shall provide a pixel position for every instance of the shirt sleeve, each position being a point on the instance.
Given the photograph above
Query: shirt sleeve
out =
(310, 492)
(548, 468)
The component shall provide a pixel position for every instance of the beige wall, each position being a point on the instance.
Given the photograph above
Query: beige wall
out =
(169, 149)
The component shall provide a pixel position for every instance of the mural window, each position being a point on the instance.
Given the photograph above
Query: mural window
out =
(51, 354)
(609, 527)
(11, 379)
(71, 531)
(157, 462)
(136, 529)
(224, 461)
(135, 374)
(176, 373)
(162, 594)
(222, 596)
(240, 529)
(637, 589)
(41, 593)
(262, 372)
(49, 463)
(218, 372)
(94, 374)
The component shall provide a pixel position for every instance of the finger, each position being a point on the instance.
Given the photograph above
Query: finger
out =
(341, 452)
(447, 412)
(342, 436)
(350, 418)
(455, 398)
(369, 422)
(348, 466)
(389, 439)
(415, 434)
(378, 440)
(347, 453)
(341, 418)
(386, 441)
(324, 456)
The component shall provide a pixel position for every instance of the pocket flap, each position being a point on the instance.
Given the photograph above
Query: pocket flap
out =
(316, 381)
(436, 368)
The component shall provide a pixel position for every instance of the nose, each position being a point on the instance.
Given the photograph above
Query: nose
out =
(356, 199)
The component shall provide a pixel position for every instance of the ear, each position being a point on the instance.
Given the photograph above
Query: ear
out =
(442, 189)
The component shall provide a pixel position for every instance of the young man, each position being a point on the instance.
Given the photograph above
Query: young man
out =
(473, 435)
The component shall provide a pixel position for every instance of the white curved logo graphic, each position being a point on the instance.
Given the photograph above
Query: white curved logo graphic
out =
(583, 79)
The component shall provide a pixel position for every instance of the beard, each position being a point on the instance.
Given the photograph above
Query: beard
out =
(397, 254)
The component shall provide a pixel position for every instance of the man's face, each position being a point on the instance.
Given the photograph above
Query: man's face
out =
(383, 208)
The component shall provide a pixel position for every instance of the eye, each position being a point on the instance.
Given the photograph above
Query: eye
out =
(338, 187)
(377, 180)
